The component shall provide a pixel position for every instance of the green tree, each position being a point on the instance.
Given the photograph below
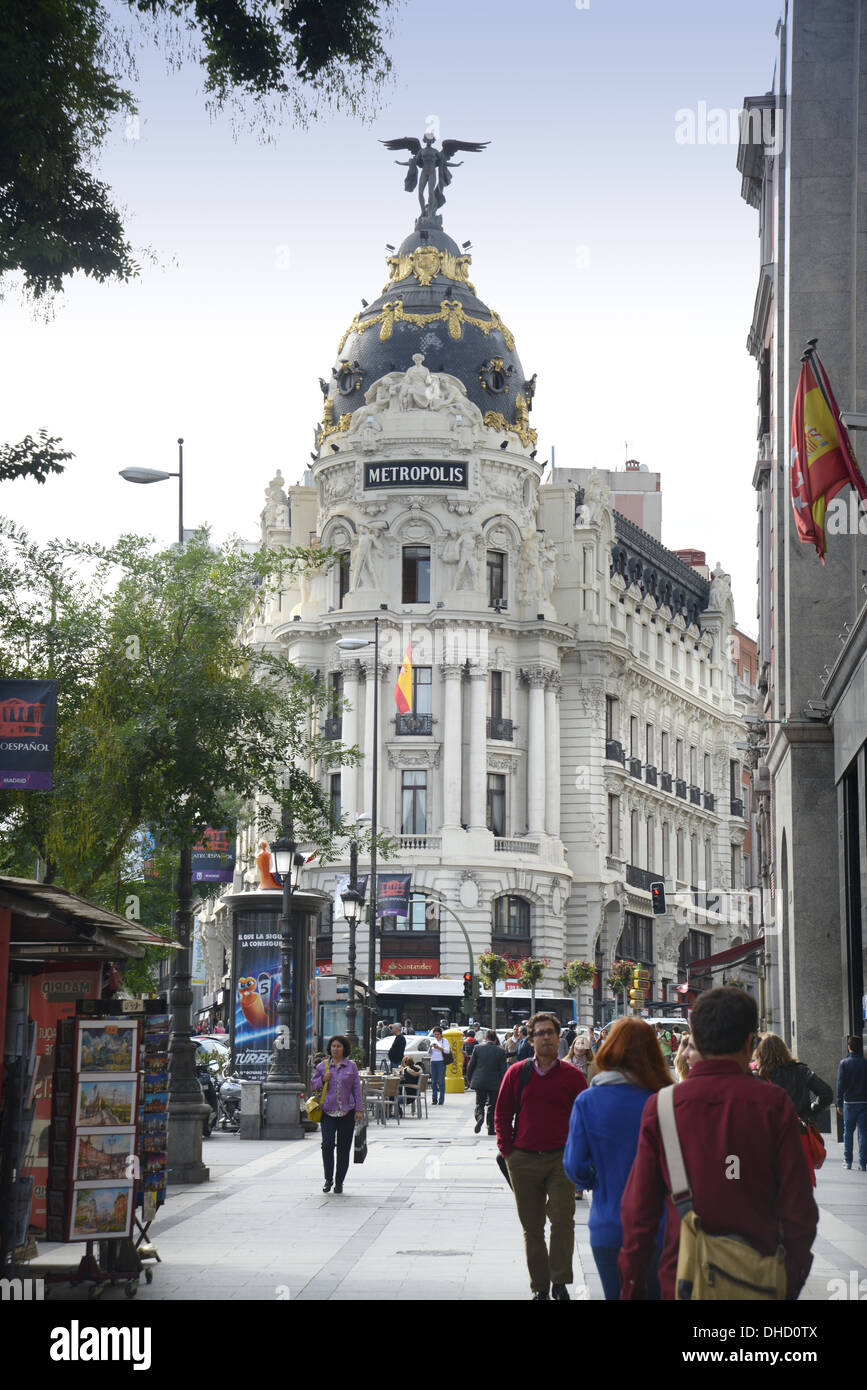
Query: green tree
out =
(167, 715)
(63, 72)
(32, 458)
(491, 969)
(530, 972)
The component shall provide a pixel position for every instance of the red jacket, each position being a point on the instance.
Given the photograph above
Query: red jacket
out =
(546, 1108)
(742, 1151)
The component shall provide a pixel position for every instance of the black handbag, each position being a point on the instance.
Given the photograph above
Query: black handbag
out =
(359, 1153)
(524, 1078)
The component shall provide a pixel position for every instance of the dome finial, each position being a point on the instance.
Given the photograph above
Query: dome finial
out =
(434, 165)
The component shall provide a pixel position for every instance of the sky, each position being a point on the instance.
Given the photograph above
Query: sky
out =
(621, 256)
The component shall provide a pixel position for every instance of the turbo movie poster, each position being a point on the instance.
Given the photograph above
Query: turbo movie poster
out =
(256, 990)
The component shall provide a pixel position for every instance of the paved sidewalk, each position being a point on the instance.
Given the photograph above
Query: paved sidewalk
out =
(427, 1216)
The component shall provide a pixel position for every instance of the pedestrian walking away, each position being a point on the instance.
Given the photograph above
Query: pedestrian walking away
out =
(852, 1102)
(485, 1071)
(440, 1055)
(730, 1126)
(775, 1063)
(533, 1150)
(603, 1138)
(341, 1109)
(467, 1050)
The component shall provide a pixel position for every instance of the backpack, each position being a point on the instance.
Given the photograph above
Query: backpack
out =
(712, 1268)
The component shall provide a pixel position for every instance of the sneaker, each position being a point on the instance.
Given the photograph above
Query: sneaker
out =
(560, 1293)
(847, 1166)
(541, 1298)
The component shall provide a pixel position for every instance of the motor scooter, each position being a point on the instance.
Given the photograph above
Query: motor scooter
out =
(230, 1104)
(207, 1076)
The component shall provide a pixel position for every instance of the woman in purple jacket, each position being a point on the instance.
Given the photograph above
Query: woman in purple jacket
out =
(341, 1108)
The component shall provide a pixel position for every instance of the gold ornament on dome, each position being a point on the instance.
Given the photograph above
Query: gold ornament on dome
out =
(426, 262)
(496, 420)
(451, 311)
(328, 426)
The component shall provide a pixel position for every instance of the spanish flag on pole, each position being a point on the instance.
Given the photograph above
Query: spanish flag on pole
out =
(822, 458)
(403, 689)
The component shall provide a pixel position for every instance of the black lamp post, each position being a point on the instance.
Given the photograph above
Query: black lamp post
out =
(352, 905)
(355, 644)
(291, 1018)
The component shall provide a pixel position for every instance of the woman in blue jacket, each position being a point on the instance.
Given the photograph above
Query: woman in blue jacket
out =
(603, 1138)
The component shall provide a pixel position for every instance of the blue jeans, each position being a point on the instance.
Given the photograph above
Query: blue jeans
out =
(606, 1263)
(438, 1081)
(855, 1117)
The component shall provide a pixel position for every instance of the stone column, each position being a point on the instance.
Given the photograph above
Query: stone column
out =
(349, 775)
(552, 755)
(367, 768)
(452, 731)
(478, 747)
(536, 779)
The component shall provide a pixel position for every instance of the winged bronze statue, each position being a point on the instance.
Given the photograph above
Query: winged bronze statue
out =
(433, 164)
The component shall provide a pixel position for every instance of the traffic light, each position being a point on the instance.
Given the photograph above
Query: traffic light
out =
(637, 998)
(657, 898)
(468, 985)
(640, 979)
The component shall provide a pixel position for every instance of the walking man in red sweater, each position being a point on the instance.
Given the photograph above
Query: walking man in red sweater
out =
(532, 1124)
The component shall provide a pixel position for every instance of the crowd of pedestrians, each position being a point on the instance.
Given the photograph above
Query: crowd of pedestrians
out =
(578, 1111)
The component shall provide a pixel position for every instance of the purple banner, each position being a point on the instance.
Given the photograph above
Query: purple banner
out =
(214, 856)
(28, 723)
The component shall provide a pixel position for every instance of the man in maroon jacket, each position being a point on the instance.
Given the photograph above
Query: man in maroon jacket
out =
(533, 1151)
(742, 1152)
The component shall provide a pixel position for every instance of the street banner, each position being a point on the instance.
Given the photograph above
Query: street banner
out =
(392, 897)
(403, 689)
(822, 458)
(197, 967)
(255, 992)
(214, 856)
(28, 724)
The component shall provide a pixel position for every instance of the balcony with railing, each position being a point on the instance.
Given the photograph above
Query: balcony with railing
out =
(614, 751)
(650, 776)
(680, 789)
(737, 807)
(414, 724)
(502, 729)
(635, 768)
(695, 796)
(709, 801)
(516, 846)
(414, 843)
(641, 878)
(332, 728)
(665, 781)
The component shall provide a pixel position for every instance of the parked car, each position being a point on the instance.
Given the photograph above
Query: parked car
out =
(417, 1046)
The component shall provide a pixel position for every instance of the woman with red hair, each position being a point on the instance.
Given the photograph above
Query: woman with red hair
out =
(603, 1138)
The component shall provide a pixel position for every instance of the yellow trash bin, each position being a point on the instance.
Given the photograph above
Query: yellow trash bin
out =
(454, 1070)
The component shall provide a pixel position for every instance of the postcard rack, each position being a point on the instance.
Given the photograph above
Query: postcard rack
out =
(107, 1148)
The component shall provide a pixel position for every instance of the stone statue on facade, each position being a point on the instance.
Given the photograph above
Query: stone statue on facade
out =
(369, 554)
(276, 511)
(529, 567)
(548, 563)
(415, 389)
(463, 548)
(720, 589)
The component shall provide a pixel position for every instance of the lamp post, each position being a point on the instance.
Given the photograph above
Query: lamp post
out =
(284, 1084)
(353, 903)
(354, 644)
(156, 475)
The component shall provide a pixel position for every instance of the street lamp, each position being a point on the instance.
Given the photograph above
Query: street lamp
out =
(288, 863)
(353, 902)
(354, 644)
(156, 475)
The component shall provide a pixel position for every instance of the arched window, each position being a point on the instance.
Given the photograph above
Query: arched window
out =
(512, 917)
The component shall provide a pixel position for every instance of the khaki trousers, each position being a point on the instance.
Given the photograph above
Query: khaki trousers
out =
(542, 1190)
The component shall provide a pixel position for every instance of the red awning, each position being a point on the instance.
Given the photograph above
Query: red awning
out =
(728, 957)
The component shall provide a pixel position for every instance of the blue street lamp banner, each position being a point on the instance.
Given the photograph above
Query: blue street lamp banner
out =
(392, 895)
(214, 856)
(256, 972)
(28, 723)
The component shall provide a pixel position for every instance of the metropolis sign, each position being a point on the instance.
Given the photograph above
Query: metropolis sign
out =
(416, 475)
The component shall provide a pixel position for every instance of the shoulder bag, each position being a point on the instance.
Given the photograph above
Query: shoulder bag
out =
(313, 1104)
(713, 1268)
(522, 1081)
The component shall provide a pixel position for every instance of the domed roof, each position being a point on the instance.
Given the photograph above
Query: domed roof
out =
(430, 306)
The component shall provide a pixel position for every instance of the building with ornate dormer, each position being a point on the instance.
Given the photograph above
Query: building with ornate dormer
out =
(572, 723)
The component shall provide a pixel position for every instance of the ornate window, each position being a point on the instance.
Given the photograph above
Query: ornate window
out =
(496, 803)
(413, 810)
(496, 573)
(511, 917)
(416, 574)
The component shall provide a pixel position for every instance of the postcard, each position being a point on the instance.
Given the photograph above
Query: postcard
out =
(106, 1102)
(101, 1211)
(104, 1154)
(107, 1045)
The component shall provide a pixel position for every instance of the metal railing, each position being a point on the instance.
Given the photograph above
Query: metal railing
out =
(414, 723)
(500, 729)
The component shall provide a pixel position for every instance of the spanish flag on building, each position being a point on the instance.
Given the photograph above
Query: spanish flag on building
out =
(403, 689)
(822, 458)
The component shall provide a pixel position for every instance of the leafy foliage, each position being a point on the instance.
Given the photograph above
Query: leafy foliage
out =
(531, 970)
(61, 88)
(167, 715)
(620, 976)
(575, 974)
(32, 458)
(492, 968)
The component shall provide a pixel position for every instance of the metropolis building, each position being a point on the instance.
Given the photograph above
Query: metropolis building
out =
(574, 723)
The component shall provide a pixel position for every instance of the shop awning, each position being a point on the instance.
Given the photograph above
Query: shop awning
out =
(47, 922)
(729, 957)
